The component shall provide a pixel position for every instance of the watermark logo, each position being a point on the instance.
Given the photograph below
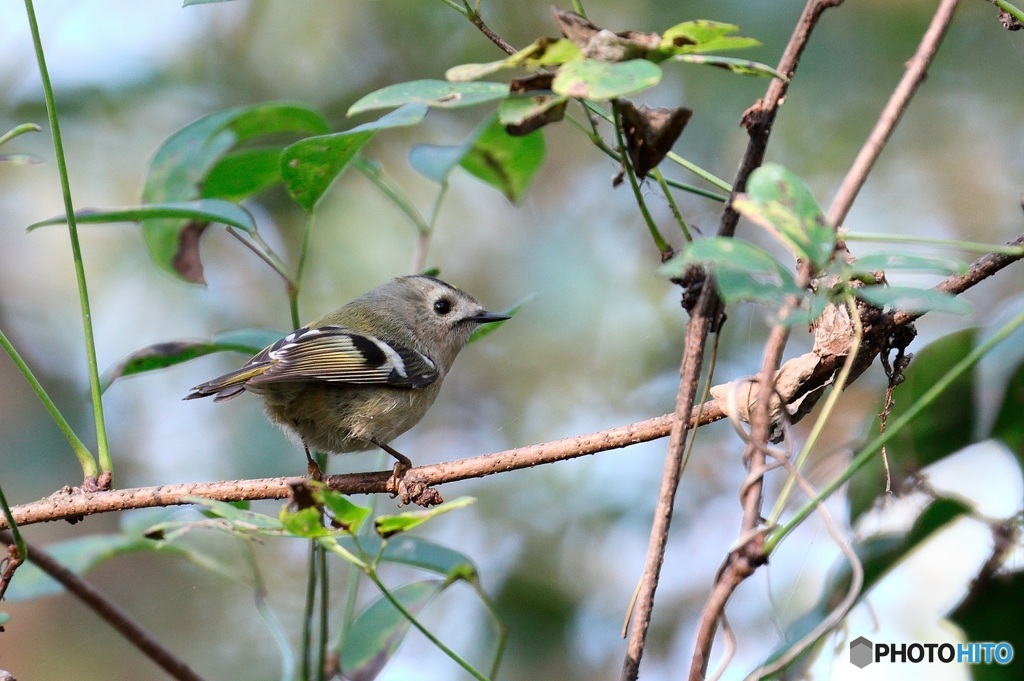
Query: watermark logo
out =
(863, 652)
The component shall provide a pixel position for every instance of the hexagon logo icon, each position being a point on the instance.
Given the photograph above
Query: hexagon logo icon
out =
(861, 652)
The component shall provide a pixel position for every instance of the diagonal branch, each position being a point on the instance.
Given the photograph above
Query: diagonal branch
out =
(744, 560)
(707, 317)
(109, 611)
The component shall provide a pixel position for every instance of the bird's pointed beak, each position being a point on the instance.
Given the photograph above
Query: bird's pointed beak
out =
(485, 317)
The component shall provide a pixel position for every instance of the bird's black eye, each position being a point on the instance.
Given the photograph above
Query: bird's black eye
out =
(443, 306)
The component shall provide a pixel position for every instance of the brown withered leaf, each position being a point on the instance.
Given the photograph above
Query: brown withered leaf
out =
(186, 259)
(545, 113)
(601, 43)
(650, 133)
(574, 27)
(302, 496)
(530, 83)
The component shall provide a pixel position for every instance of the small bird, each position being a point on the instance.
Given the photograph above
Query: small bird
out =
(364, 374)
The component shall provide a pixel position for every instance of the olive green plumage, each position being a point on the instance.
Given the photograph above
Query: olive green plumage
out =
(364, 374)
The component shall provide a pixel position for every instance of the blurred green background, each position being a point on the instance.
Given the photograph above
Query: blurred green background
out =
(561, 546)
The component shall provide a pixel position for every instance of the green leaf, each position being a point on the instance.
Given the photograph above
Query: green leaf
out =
(237, 520)
(742, 270)
(878, 555)
(79, 555)
(542, 52)
(743, 67)
(947, 426)
(306, 523)
(435, 93)
(517, 110)
(163, 355)
(204, 210)
(436, 162)
(912, 299)
(1009, 426)
(389, 525)
(506, 162)
(82, 554)
(243, 173)
(344, 514)
(185, 160)
(906, 261)
(598, 80)
(311, 165)
(423, 554)
(991, 612)
(702, 35)
(376, 633)
(781, 203)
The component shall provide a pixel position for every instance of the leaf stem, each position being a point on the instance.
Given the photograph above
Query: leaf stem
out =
(373, 172)
(872, 448)
(659, 241)
(18, 131)
(1012, 10)
(103, 448)
(672, 205)
(295, 286)
(595, 139)
(372, 574)
(85, 457)
(826, 412)
(969, 246)
(672, 156)
(20, 547)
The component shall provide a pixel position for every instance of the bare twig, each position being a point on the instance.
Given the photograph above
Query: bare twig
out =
(478, 21)
(117, 618)
(917, 69)
(693, 357)
(707, 317)
(744, 559)
(72, 504)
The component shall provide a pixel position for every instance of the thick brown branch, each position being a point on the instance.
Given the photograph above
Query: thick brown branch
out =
(742, 562)
(758, 120)
(110, 612)
(69, 504)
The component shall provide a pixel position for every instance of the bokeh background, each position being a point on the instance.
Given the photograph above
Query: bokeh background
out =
(560, 547)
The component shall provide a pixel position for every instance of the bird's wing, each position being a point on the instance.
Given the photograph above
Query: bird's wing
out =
(337, 354)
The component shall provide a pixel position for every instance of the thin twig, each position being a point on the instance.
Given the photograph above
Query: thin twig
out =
(693, 358)
(107, 610)
(758, 120)
(917, 69)
(743, 561)
(478, 21)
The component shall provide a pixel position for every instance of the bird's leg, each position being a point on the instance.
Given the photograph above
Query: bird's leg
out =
(312, 467)
(402, 464)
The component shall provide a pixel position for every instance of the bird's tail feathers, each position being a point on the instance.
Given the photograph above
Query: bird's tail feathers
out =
(229, 385)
